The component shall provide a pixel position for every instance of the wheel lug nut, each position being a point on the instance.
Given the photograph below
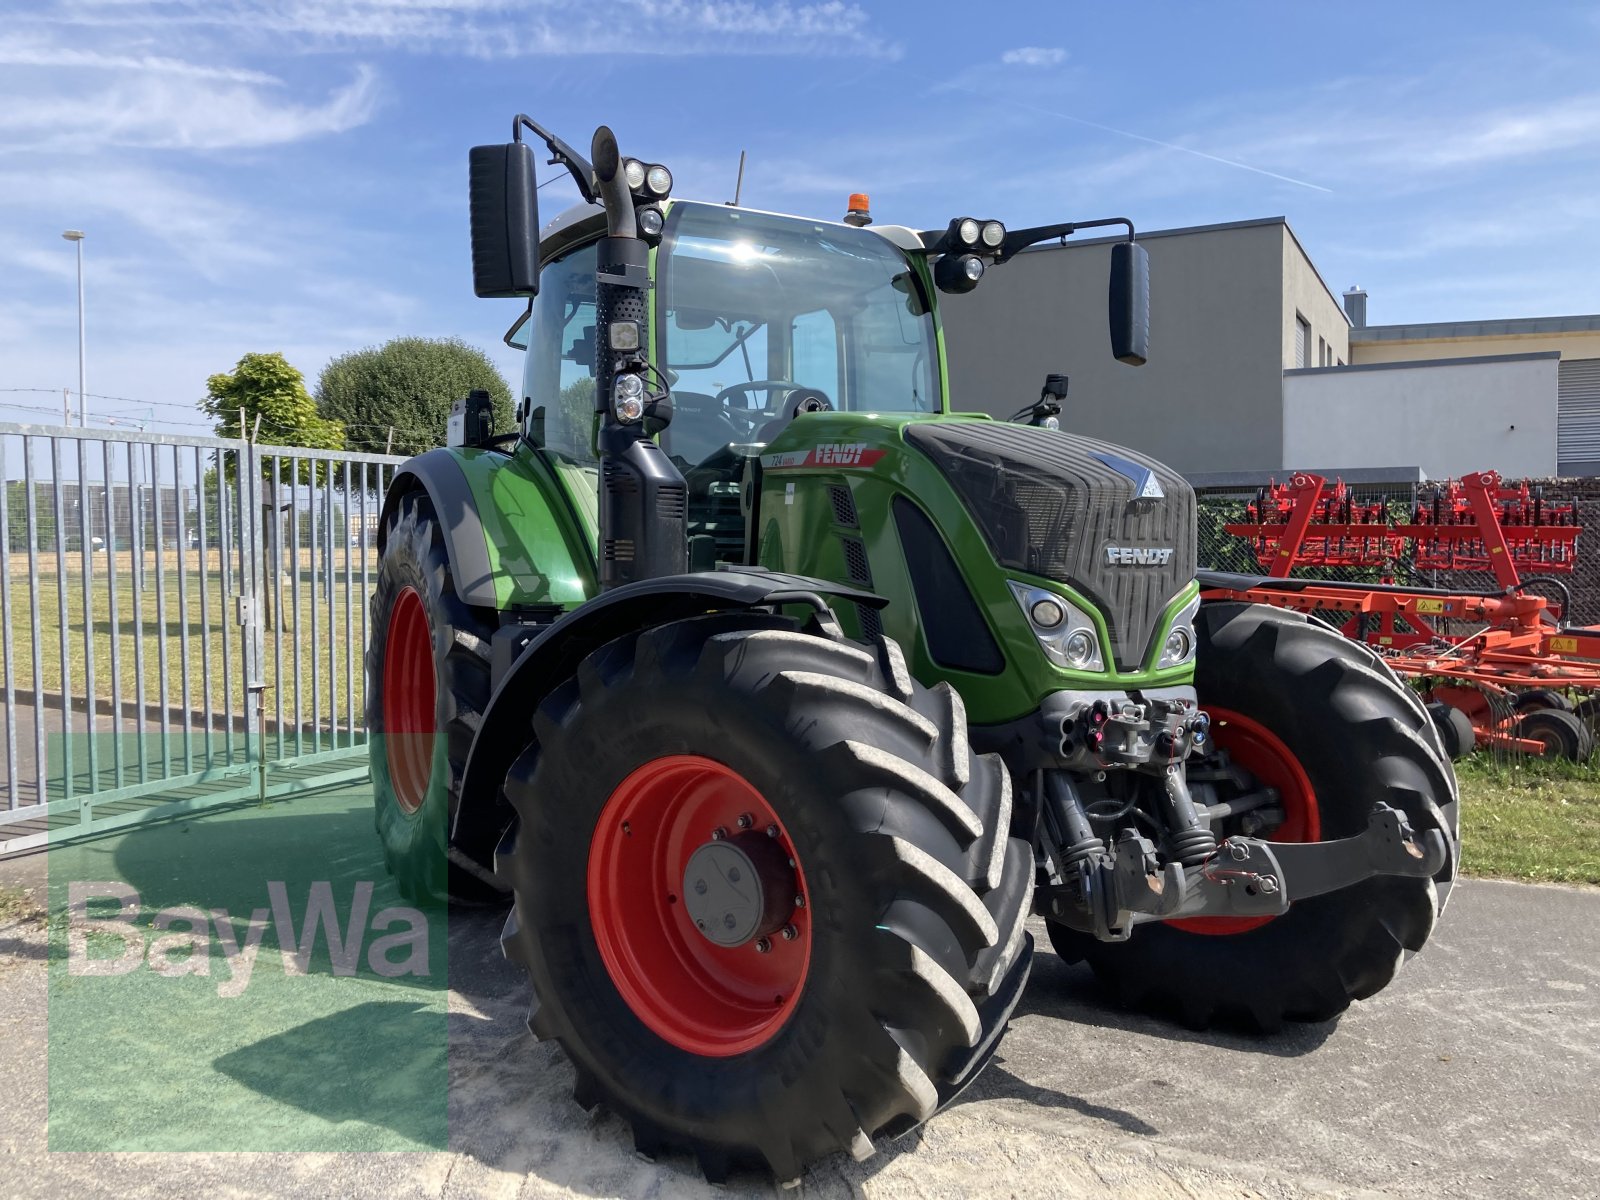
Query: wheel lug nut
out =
(763, 945)
(772, 831)
(746, 820)
(799, 901)
(789, 933)
(718, 834)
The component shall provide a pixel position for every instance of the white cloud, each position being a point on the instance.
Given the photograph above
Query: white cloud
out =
(1034, 56)
(165, 111)
(36, 52)
(509, 28)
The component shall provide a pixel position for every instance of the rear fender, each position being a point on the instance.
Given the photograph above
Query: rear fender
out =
(553, 657)
(516, 531)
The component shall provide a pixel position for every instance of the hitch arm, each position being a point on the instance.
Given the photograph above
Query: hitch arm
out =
(1388, 847)
(1249, 877)
(1244, 877)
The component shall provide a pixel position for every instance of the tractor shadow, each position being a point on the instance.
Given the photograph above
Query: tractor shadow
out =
(511, 1106)
(1074, 994)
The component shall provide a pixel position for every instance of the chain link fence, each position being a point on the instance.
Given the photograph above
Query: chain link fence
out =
(1372, 561)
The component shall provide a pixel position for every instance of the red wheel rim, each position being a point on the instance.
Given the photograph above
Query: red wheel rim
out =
(1261, 752)
(408, 700)
(707, 999)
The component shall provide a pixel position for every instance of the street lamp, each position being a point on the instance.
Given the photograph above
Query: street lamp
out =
(76, 235)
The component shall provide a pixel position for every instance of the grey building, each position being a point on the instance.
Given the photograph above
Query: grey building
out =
(1231, 308)
(1256, 369)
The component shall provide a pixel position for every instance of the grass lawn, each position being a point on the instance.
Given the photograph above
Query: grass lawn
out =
(205, 611)
(1530, 819)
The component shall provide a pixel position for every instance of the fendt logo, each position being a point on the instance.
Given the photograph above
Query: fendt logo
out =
(840, 455)
(833, 454)
(1138, 556)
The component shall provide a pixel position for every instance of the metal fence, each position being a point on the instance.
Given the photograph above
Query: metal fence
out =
(182, 623)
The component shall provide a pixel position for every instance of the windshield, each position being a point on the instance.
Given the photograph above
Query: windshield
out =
(756, 309)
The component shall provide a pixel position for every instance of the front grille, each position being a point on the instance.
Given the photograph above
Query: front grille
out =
(855, 561)
(844, 506)
(1047, 505)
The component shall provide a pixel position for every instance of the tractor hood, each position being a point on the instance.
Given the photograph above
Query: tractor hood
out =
(1111, 523)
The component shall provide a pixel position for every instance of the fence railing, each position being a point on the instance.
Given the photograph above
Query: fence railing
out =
(182, 622)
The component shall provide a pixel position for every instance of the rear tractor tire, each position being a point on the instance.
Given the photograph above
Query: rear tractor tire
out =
(1309, 713)
(427, 686)
(765, 894)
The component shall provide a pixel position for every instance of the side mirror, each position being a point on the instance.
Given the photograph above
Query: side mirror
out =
(1129, 303)
(505, 220)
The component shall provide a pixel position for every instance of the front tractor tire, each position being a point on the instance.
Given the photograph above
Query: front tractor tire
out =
(1318, 718)
(765, 893)
(427, 686)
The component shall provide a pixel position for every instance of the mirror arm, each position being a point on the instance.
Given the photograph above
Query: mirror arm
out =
(1020, 239)
(561, 154)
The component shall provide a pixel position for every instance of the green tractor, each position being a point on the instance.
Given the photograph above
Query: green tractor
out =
(775, 696)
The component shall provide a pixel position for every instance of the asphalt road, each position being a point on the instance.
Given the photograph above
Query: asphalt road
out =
(1473, 1075)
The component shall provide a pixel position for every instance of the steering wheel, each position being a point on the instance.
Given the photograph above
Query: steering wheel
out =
(812, 399)
(727, 394)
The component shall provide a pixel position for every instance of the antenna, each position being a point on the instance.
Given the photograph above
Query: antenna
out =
(738, 186)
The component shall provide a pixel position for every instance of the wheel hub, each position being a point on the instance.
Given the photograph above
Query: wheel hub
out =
(706, 936)
(739, 889)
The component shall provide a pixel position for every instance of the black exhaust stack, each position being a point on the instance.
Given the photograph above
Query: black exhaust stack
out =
(643, 498)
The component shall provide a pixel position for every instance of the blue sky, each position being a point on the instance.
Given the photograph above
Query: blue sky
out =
(291, 176)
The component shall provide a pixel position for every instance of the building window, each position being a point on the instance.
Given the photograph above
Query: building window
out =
(1322, 352)
(1302, 341)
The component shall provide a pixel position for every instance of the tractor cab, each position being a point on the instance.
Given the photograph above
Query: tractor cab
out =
(757, 318)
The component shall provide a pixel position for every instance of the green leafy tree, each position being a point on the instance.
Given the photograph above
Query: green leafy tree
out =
(266, 385)
(408, 385)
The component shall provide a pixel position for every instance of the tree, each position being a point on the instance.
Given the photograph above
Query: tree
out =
(407, 384)
(266, 385)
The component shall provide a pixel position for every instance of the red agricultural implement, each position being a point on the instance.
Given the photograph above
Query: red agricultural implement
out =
(1509, 678)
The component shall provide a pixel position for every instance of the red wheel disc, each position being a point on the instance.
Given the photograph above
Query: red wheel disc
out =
(1261, 752)
(408, 700)
(711, 1000)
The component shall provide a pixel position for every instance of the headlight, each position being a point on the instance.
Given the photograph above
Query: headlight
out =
(633, 172)
(658, 181)
(993, 234)
(1047, 613)
(1067, 635)
(627, 397)
(650, 222)
(1180, 642)
(957, 273)
(968, 232)
(1079, 649)
(1179, 645)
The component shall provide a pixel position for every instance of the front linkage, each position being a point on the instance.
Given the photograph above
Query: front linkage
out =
(1105, 887)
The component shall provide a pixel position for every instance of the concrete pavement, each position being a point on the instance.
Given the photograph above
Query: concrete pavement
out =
(1473, 1075)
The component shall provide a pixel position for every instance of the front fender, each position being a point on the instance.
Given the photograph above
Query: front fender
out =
(553, 657)
(517, 528)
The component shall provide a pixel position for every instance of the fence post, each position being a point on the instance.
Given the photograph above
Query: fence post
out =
(250, 603)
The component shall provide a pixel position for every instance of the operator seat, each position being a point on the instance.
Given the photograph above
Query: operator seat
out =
(699, 427)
